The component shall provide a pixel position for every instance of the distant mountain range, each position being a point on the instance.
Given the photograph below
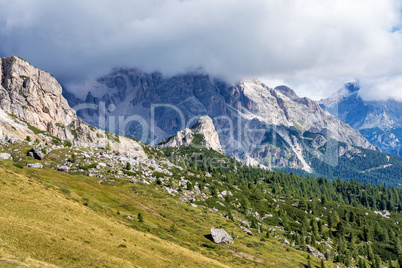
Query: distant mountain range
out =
(380, 122)
(255, 123)
(259, 125)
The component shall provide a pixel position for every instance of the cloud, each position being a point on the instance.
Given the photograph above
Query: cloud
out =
(383, 88)
(310, 44)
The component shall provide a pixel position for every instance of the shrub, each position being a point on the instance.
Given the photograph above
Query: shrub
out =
(140, 217)
(68, 144)
(19, 165)
(208, 245)
(65, 190)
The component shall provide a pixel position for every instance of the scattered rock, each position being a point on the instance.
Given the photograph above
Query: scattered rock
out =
(35, 165)
(315, 252)
(5, 156)
(247, 231)
(64, 169)
(220, 236)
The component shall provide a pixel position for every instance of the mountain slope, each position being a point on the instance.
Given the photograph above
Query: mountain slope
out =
(75, 203)
(245, 115)
(378, 121)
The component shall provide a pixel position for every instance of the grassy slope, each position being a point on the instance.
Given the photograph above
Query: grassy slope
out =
(48, 218)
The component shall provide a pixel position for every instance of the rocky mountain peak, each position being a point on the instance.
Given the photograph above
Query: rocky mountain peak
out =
(352, 87)
(288, 92)
(379, 121)
(205, 127)
(33, 95)
(31, 103)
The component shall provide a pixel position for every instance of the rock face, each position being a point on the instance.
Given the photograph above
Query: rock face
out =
(253, 121)
(31, 102)
(33, 95)
(220, 236)
(186, 137)
(378, 121)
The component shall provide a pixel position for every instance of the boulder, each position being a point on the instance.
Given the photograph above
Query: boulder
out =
(39, 151)
(220, 236)
(35, 165)
(64, 169)
(5, 156)
(247, 231)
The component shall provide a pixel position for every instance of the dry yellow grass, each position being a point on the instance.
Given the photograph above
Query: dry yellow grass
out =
(42, 227)
(52, 219)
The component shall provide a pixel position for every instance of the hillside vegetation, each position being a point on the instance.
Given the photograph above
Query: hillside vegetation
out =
(125, 215)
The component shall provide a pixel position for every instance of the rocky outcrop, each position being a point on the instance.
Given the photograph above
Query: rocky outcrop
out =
(31, 104)
(39, 151)
(204, 127)
(220, 236)
(33, 95)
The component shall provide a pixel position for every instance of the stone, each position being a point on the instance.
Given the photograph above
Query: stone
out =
(5, 156)
(247, 231)
(64, 169)
(315, 252)
(220, 236)
(35, 165)
(39, 151)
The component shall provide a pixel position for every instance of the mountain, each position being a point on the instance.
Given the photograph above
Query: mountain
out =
(96, 199)
(254, 122)
(32, 105)
(378, 121)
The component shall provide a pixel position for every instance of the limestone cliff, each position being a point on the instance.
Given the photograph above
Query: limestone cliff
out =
(205, 127)
(31, 102)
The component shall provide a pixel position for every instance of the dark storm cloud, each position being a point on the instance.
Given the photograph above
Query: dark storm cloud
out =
(311, 44)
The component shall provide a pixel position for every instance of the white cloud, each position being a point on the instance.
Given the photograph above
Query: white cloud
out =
(383, 88)
(312, 44)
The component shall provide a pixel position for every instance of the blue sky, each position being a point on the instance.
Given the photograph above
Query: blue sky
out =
(314, 46)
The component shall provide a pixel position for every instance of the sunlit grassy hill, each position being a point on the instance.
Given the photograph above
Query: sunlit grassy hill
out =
(52, 219)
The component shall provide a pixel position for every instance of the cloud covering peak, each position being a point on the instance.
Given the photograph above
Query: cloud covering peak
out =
(311, 45)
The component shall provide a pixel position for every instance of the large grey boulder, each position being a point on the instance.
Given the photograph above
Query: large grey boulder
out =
(5, 156)
(35, 165)
(39, 151)
(220, 236)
